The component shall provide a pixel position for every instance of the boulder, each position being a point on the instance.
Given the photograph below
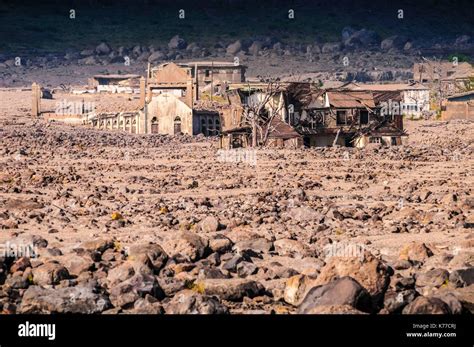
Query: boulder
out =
(292, 248)
(177, 43)
(331, 47)
(156, 56)
(49, 273)
(152, 251)
(371, 272)
(427, 305)
(462, 277)
(258, 245)
(126, 293)
(433, 278)
(103, 49)
(191, 302)
(343, 291)
(415, 251)
(393, 42)
(296, 288)
(209, 224)
(305, 214)
(232, 289)
(234, 48)
(78, 299)
(187, 244)
(76, 264)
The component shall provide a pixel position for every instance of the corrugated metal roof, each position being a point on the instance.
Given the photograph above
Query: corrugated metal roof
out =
(351, 99)
(116, 76)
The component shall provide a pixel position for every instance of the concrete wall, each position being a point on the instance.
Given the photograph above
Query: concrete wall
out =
(459, 110)
(166, 108)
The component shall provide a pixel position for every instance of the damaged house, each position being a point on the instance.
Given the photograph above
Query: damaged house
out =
(413, 98)
(313, 117)
(255, 116)
(348, 118)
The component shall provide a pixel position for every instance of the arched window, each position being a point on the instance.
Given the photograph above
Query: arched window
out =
(154, 125)
(177, 125)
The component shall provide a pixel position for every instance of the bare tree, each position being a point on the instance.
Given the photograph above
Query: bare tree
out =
(261, 109)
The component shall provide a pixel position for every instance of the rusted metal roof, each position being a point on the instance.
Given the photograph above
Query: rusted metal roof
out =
(351, 99)
(280, 129)
(380, 97)
(116, 76)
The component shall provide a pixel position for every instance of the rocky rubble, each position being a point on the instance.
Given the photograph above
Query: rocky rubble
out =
(98, 222)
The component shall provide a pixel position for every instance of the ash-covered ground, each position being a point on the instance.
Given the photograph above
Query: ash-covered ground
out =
(121, 223)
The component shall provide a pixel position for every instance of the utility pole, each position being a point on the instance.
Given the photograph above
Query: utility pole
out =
(212, 78)
(145, 109)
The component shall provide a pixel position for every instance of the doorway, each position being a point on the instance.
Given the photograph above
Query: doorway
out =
(177, 125)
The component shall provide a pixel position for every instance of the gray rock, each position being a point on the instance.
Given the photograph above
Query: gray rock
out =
(79, 299)
(259, 245)
(231, 265)
(129, 291)
(462, 277)
(209, 224)
(347, 32)
(427, 305)
(87, 52)
(177, 43)
(232, 289)
(451, 300)
(433, 278)
(156, 56)
(463, 40)
(187, 244)
(331, 47)
(147, 305)
(103, 48)
(49, 273)
(245, 269)
(234, 48)
(152, 251)
(343, 291)
(255, 48)
(394, 302)
(393, 42)
(191, 302)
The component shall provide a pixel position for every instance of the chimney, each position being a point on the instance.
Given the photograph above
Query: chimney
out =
(189, 92)
(142, 92)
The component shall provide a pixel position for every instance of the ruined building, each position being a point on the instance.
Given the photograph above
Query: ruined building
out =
(174, 99)
(313, 117)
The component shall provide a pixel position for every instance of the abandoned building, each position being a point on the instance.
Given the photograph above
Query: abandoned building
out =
(173, 99)
(115, 83)
(414, 97)
(459, 106)
(348, 118)
(449, 78)
(318, 118)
